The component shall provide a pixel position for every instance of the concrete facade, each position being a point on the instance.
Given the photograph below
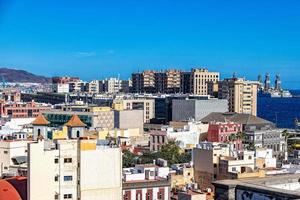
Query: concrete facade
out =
(241, 95)
(66, 175)
(184, 110)
(127, 119)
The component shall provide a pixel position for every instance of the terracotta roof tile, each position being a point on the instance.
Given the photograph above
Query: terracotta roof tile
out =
(40, 120)
(75, 122)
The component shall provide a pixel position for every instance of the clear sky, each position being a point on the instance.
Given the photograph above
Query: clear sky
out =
(94, 39)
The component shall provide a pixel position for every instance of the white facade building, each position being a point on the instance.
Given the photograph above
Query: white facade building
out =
(190, 136)
(73, 169)
(60, 88)
(10, 149)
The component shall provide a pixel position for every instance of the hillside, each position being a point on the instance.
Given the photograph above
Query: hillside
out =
(14, 75)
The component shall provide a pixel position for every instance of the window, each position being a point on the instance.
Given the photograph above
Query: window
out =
(5, 152)
(68, 178)
(68, 160)
(56, 160)
(233, 169)
(5, 168)
(56, 178)
(215, 165)
(249, 157)
(67, 196)
(56, 196)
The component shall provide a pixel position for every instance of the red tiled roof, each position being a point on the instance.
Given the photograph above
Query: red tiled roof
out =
(41, 120)
(75, 122)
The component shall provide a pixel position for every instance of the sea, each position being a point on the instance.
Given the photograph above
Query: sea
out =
(281, 111)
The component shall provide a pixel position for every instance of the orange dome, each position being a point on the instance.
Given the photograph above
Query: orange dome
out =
(8, 192)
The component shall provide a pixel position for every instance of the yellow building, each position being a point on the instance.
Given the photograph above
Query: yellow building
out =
(134, 132)
(200, 78)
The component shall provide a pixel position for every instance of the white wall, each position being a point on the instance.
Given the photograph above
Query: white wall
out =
(8, 150)
(101, 174)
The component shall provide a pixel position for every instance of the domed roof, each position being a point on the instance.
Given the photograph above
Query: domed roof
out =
(7, 191)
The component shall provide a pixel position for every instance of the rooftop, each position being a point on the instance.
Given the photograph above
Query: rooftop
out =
(40, 120)
(245, 119)
(75, 122)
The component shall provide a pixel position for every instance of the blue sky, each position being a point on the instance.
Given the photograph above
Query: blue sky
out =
(96, 38)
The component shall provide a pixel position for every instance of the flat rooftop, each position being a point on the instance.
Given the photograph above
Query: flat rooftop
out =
(280, 184)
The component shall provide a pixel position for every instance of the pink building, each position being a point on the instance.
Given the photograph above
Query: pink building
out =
(157, 139)
(21, 109)
(222, 131)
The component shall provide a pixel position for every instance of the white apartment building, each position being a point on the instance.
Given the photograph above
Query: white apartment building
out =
(9, 150)
(189, 136)
(74, 169)
(93, 87)
(60, 88)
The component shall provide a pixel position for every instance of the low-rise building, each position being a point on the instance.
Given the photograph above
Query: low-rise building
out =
(21, 109)
(271, 187)
(144, 182)
(189, 136)
(225, 132)
(128, 119)
(191, 195)
(157, 140)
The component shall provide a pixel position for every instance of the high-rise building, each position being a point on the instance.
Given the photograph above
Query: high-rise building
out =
(160, 82)
(148, 81)
(241, 95)
(115, 85)
(173, 81)
(137, 82)
(185, 82)
(93, 87)
(61, 84)
(200, 78)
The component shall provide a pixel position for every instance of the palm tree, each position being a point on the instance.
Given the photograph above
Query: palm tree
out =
(232, 137)
(241, 136)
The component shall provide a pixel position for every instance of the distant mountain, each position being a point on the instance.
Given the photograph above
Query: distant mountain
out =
(14, 75)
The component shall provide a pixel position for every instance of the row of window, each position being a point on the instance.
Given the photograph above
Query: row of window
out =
(66, 160)
(66, 196)
(66, 178)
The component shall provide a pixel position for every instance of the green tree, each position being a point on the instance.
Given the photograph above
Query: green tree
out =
(170, 152)
(129, 159)
(251, 146)
(241, 136)
(232, 137)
